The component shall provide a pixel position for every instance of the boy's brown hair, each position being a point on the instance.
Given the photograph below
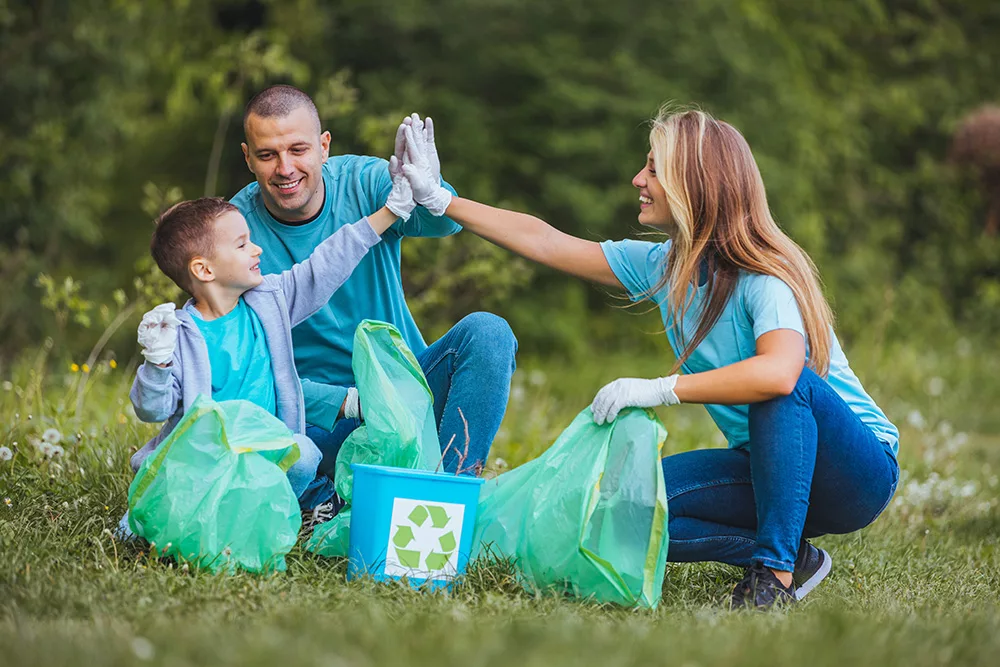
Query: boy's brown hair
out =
(185, 231)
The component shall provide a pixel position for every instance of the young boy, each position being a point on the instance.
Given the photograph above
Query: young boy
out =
(232, 339)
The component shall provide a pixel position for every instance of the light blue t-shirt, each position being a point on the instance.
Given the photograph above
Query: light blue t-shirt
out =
(355, 186)
(238, 354)
(759, 304)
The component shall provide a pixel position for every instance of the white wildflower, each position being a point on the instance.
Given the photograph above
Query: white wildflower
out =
(916, 420)
(6, 454)
(8, 502)
(501, 463)
(143, 648)
(52, 436)
(55, 450)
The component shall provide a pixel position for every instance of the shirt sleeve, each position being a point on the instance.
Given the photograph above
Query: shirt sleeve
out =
(771, 305)
(639, 265)
(378, 185)
(322, 403)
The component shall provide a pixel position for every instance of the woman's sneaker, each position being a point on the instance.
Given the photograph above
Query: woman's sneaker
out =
(760, 589)
(811, 567)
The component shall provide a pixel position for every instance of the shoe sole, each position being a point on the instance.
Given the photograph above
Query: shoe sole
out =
(814, 580)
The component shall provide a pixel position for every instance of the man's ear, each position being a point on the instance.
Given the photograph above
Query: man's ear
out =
(324, 143)
(246, 155)
(201, 270)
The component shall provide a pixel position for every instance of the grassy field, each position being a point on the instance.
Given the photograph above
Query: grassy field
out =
(920, 587)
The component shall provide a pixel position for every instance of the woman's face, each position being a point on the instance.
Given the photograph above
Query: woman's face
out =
(653, 208)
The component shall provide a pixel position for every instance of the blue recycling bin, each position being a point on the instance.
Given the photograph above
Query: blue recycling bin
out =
(411, 523)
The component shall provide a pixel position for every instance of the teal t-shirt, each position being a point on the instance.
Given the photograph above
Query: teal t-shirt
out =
(759, 304)
(355, 186)
(238, 354)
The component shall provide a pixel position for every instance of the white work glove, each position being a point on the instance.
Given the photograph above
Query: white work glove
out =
(632, 393)
(418, 167)
(425, 140)
(400, 200)
(352, 404)
(158, 334)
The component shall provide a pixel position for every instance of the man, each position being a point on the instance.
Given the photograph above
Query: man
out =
(300, 197)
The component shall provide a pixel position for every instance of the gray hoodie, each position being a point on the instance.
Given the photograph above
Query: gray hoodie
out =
(281, 301)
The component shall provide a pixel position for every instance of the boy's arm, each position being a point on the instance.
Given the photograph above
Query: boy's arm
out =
(309, 284)
(156, 392)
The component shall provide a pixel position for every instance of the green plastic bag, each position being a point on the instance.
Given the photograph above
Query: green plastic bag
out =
(589, 516)
(215, 492)
(399, 428)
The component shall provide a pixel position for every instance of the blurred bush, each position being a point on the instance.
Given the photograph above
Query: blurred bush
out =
(850, 108)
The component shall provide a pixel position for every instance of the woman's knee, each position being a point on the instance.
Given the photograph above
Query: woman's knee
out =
(798, 396)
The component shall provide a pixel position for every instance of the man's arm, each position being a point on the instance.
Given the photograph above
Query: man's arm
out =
(324, 403)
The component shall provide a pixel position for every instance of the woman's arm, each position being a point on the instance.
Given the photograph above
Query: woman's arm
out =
(772, 372)
(534, 239)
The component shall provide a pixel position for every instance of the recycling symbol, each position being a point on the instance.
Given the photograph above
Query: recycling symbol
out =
(424, 537)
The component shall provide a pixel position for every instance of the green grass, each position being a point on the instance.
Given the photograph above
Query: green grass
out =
(919, 587)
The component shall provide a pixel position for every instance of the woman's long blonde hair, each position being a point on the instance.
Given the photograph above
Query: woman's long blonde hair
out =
(720, 221)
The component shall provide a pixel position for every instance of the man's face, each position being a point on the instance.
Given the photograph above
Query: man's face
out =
(286, 154)
(235, 265)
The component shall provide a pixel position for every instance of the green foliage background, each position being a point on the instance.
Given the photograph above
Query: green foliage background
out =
(113, 108)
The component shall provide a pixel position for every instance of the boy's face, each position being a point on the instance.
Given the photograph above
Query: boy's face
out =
(235, 265)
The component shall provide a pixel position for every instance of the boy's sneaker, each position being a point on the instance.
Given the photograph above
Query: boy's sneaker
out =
(760, 589)
(320, 514)
(811, 567)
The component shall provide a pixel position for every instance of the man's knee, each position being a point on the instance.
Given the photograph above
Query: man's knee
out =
(488, 334)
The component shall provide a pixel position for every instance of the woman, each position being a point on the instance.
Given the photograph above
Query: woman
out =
(809, 451)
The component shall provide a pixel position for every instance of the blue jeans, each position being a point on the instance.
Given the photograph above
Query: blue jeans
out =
(469, 367)
(811, 468)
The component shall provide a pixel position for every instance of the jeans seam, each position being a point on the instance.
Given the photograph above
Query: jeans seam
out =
(713, 538)
(714, 483)
(892, 492)
(446, 353)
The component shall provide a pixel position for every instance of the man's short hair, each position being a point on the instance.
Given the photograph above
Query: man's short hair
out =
(185, 231)
(279, 101)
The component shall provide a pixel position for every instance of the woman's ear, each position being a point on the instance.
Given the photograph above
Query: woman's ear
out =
(201, 270)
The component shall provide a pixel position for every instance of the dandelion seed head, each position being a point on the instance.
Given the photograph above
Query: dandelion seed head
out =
(6, 454)
(7, 385)
(143, 648)
(52, 436)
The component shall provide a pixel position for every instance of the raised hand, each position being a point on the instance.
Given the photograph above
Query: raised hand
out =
(158, 334)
